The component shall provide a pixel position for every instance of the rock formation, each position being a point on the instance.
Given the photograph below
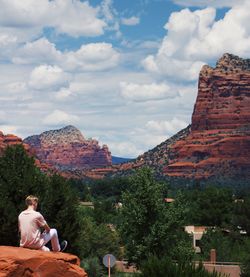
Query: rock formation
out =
(67, 149)
(219, 141)
(21, 262)
(8, 140)
(156, 158)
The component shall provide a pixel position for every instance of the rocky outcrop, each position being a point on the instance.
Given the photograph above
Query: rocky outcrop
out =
(21, 262)
(66, 149)
(219, 141)
(8, 140)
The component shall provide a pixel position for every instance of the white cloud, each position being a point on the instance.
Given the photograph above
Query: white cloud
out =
(3, 117)
(16, 87)
(59, 117)
(210, 3)
(77, 18)
(27, 18)
(47, 77)
(63, 94)
(8, 43)
(7, 40)
(124, 149)
(38, 51)
(107, 10)
(166, 127)
(92, 57)
(14, 92)
(131, 21)
(111, 16)
(195, 37)
(9, 129)
(173, 68)
(89, 57)
(146, 92)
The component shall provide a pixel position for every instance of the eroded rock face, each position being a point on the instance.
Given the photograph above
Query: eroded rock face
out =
(8, 140)
(21, 262)
(219, 141)
(67, 149)
(223, 100)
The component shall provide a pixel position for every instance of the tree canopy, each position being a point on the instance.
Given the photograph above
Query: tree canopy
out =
(148, 224)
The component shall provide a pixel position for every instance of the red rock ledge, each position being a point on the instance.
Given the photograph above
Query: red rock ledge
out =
(21, 262)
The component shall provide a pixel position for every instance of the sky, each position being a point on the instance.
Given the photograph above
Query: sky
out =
(124, 72)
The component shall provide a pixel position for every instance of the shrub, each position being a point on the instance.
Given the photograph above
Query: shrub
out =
(164, 267)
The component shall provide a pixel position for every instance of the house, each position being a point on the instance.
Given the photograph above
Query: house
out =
(197, 233)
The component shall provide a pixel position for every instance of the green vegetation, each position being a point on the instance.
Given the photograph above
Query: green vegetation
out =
(209, 206)
(19, 177)
(164, 267)
(142, 228)
(149, 225)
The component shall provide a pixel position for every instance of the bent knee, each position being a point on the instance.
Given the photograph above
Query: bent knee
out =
(53, 232)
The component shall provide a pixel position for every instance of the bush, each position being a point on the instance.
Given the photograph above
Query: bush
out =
(92, 266)
(164, 267)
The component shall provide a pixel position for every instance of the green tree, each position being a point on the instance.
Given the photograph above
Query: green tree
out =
(96, 239)
(230, 246)
(148, 224)
(19, 177)
(209, 206)
(242, 214)
(60, 208)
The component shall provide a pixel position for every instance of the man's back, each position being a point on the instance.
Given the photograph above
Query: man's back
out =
(30, 223)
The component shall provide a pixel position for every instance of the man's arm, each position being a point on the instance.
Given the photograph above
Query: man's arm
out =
(41, 222)
(46, 228)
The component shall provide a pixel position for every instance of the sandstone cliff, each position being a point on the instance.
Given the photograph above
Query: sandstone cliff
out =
(21, 262)
(219, 141)
(8, 140)
(67, 149)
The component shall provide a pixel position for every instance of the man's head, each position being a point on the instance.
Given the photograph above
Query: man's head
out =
(31, 200)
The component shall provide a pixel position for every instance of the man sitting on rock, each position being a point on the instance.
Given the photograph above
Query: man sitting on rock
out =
(30, 224)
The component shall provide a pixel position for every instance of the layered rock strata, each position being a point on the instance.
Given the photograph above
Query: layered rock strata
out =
(67, 149)
(8, 140)
(219, 141)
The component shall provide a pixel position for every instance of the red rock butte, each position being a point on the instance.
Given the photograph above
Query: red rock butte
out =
(17, 262)
(66, 149)
(219, 140)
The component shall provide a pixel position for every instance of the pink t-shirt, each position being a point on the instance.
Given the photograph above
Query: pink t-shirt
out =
(30, 223)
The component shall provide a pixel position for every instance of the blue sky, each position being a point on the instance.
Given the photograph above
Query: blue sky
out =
(123, 71)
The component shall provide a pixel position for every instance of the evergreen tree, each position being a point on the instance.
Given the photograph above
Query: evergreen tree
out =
(59, 207)
(19, 177)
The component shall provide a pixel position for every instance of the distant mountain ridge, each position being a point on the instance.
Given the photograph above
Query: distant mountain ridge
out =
(120, 160)
(67, 149)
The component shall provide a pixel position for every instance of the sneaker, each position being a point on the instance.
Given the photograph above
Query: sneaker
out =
(63, 245)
